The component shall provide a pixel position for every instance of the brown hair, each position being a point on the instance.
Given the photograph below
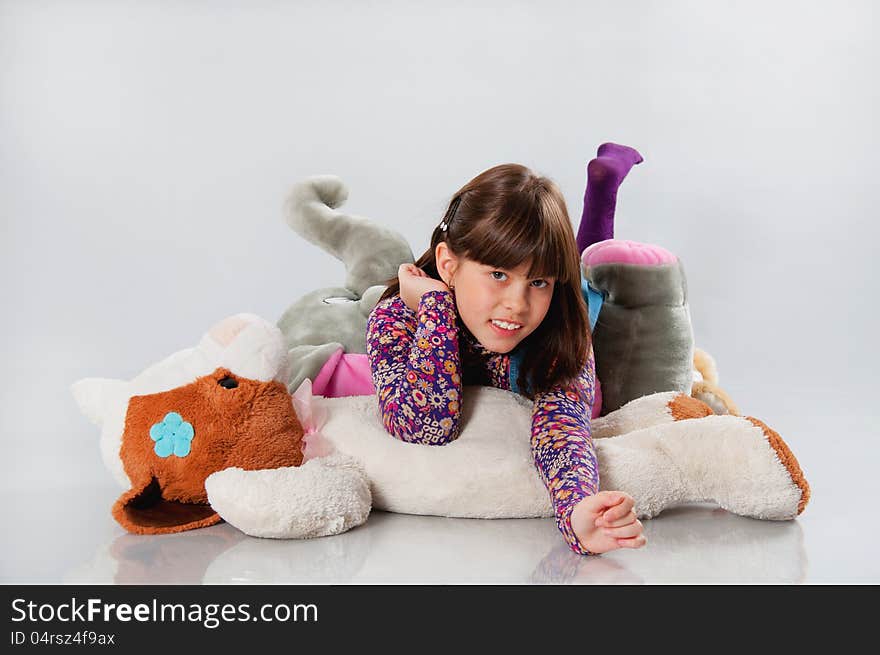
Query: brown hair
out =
(503, 217)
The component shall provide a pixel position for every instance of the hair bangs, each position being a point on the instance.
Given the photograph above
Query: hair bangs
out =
(509, 239)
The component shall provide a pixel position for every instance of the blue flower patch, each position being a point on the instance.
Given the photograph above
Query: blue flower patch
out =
(172, 435)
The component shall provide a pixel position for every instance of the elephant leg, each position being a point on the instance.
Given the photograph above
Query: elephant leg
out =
(643, 339)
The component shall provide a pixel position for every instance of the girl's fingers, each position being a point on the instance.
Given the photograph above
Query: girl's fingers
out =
(624, 532)
(619, 511)
(635, 542)
(626, 520)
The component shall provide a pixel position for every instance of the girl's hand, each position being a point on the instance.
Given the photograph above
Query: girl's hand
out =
(607, 522)
(414, 283)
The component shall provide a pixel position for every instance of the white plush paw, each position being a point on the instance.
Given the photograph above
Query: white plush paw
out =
(324, 496)
(738, 463)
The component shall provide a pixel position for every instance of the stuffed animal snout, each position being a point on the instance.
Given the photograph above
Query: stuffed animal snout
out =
(174, 440)
(222, 404)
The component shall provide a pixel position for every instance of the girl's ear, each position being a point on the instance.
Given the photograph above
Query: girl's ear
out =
(446, 261)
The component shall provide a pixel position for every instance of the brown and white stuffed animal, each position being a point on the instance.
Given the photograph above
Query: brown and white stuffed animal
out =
(242, 457)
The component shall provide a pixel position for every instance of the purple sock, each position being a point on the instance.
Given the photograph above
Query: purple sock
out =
(604, 175)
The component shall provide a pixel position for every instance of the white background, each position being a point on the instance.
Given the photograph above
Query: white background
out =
(146, 149)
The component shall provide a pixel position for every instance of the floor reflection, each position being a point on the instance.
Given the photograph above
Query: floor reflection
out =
(706, 544)
(693, 544)
(323, 560)
(563, 566)
(392, 548)
(180, 558)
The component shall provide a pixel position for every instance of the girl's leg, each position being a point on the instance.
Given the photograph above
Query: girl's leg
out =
(605, 173)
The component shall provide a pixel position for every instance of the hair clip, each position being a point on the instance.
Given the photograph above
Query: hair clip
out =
(444, 224)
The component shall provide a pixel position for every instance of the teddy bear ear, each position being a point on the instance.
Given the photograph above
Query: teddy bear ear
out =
(248, 345)
(94, 396)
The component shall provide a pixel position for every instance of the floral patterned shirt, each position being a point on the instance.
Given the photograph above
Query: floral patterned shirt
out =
(419, 362)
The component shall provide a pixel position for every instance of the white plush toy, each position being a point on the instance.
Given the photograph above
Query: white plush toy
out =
(664, 449)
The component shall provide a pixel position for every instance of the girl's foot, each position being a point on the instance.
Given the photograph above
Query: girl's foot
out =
(605, 174)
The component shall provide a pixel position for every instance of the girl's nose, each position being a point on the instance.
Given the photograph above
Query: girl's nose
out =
(516, 302)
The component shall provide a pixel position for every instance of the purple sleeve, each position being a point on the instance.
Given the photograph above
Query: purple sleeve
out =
(415, 366)
(563, 448)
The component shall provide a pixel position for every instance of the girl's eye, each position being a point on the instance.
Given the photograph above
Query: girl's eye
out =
(542, 284)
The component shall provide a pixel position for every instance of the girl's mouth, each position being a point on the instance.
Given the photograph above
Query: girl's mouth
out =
(503, 332)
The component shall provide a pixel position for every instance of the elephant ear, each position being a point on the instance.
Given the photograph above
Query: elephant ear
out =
(371, 253)
(143, 510)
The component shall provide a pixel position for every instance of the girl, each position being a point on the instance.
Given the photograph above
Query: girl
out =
(496, 300)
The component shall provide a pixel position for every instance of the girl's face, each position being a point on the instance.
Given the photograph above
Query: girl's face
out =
(485, 294)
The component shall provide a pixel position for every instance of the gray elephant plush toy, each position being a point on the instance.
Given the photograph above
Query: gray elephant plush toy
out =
(317, 325)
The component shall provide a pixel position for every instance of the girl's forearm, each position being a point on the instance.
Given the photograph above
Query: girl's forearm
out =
(416, 369)
(563, 449)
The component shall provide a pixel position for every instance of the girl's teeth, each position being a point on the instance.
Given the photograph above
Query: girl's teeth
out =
(506, 326)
